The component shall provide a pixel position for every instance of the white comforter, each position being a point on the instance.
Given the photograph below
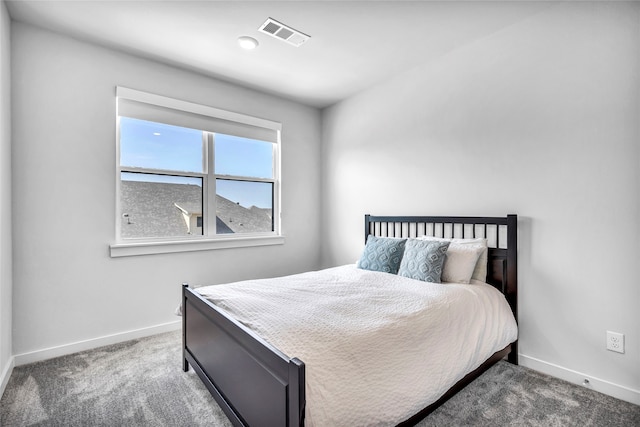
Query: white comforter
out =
(377, 347)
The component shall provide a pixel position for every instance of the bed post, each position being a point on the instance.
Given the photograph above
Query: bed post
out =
(512, 276)
(367, 228)
(296, 391)
(185, 364)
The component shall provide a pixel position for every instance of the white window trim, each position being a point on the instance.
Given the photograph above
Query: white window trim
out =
(135, 247)
(170, 246)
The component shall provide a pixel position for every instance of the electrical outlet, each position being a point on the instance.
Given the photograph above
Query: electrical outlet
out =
(615, 341)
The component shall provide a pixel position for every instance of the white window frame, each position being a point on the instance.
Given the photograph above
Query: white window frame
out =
(209, 240)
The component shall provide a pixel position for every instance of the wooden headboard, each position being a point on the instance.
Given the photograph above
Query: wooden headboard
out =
(500, 232)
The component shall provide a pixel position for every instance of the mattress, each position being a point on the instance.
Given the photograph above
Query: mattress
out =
(377, 347)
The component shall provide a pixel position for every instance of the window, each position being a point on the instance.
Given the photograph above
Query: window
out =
(189, 173)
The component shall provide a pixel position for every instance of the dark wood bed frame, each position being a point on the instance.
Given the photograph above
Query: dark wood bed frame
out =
(257, 385)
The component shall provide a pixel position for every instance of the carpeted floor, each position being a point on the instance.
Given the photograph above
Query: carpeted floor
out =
(140, 383)
(136, 383)
(509, 395)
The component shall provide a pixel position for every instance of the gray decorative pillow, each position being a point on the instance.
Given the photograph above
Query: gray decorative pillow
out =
(423, 260)
(382, 254)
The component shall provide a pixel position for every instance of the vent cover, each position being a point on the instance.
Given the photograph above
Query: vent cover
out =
(283, 32)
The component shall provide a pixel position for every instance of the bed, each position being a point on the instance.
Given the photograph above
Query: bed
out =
(253, 373)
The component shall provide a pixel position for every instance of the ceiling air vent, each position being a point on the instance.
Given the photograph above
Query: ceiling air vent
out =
(283, 32)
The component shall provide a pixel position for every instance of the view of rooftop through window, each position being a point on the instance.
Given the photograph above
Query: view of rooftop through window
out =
(151, 145)
(164, 171)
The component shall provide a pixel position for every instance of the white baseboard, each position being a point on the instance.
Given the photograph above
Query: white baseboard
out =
(6, 374)
(597, 384)
(50, 353)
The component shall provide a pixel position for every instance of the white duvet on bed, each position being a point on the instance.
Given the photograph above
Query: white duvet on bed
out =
(377, 347)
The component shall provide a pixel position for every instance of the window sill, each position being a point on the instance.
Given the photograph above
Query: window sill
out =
(150, 248)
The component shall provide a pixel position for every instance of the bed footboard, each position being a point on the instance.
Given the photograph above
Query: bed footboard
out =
(252, 381)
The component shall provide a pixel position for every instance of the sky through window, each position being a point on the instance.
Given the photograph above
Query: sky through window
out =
(175, 149)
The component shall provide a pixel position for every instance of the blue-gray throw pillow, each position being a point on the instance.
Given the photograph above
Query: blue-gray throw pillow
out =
(382, 254)
(423, 260)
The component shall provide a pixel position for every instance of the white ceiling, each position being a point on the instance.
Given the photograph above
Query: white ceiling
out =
(353, 44)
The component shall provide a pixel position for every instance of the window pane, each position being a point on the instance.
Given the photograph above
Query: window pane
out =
(153, 145)
(243, 157)
(160, 205)
(243, 206)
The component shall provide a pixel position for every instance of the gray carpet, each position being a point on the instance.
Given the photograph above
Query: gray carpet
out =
(135, 383)
(116, 386)
(509, 395)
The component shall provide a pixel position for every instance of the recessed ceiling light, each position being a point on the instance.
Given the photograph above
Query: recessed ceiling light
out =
(247, 42)
(157, 134)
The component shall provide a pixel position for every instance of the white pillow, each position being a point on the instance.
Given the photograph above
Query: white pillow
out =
(461, 253)
(460, 262)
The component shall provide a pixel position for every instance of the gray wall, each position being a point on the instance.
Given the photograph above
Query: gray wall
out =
(66, 287)
(5, 195)
(540, 119)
